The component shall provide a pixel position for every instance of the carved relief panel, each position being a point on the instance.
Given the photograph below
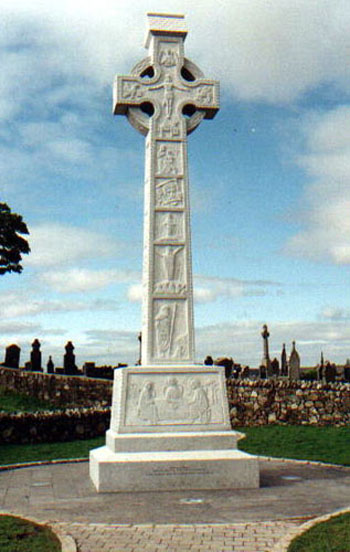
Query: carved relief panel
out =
(169, 273)
(169, 192)
(169, 159)
(168, 53)
(170, 332)
(169, 226)
(174, 399)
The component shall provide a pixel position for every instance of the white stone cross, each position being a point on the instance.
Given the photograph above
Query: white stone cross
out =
(165, 98)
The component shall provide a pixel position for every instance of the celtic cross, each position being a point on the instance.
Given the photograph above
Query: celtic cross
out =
(165, 98)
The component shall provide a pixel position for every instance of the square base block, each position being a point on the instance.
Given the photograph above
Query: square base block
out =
(172, 470)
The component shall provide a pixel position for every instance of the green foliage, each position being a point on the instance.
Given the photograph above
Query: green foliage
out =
(329, 536)
(14, 454)
(323, 444)
(11, 401)
(19, 535)
(12, 245)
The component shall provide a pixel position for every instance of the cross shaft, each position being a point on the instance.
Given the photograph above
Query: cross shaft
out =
(165, 98)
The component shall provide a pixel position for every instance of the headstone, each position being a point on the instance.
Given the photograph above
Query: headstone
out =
(294, 364)
(330, 373)
(35, 357)
(275, 368)
(347, 371)
(170, 411)
(245, 374)
(262, 371)
(227, 363)
(12, 355)
(69, 366)
(266, 362)
(284, 363)
(139, 337)
(50, 367)
(320, 369)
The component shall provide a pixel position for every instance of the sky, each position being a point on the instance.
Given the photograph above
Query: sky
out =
(269, 177)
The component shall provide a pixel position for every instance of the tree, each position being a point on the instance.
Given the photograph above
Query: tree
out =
(12, 246)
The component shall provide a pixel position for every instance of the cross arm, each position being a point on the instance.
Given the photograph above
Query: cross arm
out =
(206, 96)
(128, 91)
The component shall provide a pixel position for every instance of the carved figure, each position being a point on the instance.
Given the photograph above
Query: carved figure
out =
(168, 228)
(169, 193)
(205, 95)
(199, 403)
(165, 322)
(168, 57)
(146, 406)
(167, 161)
(168, 260)
(173, 393)
(132, 90)
(168, 101)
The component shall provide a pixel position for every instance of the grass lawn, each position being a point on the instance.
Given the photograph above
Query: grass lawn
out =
(16, 454)
(329, 536)
(19, 535)
(325, 444)
(11, 401)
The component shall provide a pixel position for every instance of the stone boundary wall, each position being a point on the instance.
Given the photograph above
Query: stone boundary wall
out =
(57, 389)
(56, 426)
(251, 403)
(263, 402)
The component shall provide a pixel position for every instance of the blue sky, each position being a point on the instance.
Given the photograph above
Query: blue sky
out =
(269, 177)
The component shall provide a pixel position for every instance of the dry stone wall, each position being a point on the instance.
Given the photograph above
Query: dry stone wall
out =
(53, 427)
(251, 402)
(59, 390)
(283, 402)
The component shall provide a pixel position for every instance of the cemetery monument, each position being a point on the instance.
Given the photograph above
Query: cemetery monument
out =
(170, 427)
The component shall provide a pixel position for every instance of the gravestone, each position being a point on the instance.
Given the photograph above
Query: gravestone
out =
(320, 369)
(170, 426)
(275, 367)
(284, 363)
(294, 364)
(35, 357)
(330, 373)
(12, 355)
(69, 366)
(50, 367)
(346, 372)
(266, 362)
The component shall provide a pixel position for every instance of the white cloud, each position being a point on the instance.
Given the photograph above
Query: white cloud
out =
(29, 304)
(335, 313)
(79, 279)
(269, 51)
(57, 244)
(135, 293)
(208, 289)
(327, 197)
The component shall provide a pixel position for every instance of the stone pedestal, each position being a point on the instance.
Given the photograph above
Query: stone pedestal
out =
(170, 430)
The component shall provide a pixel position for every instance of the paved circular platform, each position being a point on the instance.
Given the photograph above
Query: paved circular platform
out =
(290, 492)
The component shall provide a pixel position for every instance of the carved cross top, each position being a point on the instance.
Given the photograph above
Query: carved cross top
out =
(167, 86)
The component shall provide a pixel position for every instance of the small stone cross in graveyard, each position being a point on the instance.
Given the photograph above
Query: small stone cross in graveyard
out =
(165, 98)
(266, 362)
